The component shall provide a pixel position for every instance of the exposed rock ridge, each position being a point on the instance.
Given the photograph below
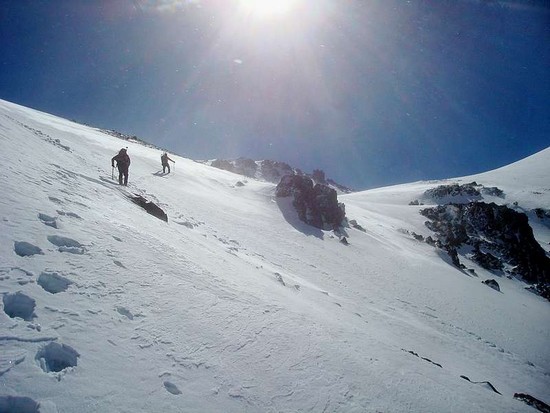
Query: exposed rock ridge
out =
(317, 204)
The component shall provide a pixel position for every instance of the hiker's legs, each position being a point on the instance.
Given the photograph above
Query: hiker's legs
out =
(126, 177)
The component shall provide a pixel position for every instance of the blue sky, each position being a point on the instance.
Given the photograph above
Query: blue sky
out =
(374, 92)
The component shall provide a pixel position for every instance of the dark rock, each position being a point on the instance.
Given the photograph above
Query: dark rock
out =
(150, 207)
(271, 171)
(492, 191)
(454, 190)
(542, 213)
(318, 176)
(471, 192)
(531, 401)
(485, 383)
(504, 236)
(487, 260)
(430, 240)
(316, 205)
(355, 225)
(492, 283)
(453, 253)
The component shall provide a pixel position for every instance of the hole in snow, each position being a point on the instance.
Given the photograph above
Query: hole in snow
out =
(171, 387)
(19, 305)
(57, 357)
(53, 283)
(12, 404)
(25, 249)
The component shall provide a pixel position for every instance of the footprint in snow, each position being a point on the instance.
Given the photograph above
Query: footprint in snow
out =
(66, 244)
(19, 305)
(125, 312)
(53, 283)
(171, 387)
(26, 249)
(48, 220)
(56, 357)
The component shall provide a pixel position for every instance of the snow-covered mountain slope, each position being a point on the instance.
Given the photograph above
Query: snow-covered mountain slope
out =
(235, 305)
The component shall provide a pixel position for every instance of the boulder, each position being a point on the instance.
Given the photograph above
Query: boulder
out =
(492, 283)
(500, 236)
(150, 207)
(316, 205)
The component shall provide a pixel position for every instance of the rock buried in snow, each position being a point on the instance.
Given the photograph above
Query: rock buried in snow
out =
(492, 283)
(482, 383)
(150, 207)
(531, 401)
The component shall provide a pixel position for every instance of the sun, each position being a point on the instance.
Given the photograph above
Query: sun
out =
(267, 8)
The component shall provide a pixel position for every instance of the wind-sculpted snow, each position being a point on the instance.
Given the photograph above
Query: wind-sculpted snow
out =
(234, 305)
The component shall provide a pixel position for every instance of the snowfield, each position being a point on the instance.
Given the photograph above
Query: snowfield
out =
(234, 305)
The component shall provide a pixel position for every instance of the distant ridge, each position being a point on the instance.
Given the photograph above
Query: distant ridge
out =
(272, 171)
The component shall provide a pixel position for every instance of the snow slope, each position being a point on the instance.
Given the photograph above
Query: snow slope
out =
(234, 305)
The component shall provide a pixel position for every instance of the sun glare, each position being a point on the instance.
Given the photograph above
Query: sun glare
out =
(267, 8)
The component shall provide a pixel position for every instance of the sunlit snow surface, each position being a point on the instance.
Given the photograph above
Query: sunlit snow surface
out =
(236, 306)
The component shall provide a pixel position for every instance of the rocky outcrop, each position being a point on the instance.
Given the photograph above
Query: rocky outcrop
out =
(492, 283)
(272, 171)
(533, 402)
(150, 207)
(500, 238)
(461, 193)
(316, 204)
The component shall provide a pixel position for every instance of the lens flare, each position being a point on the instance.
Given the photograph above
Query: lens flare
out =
(267, 8)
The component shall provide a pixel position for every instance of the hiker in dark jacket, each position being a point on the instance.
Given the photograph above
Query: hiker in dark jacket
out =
(123, 163)
(164, 159)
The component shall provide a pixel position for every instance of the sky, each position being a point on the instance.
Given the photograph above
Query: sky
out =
(373, 92)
